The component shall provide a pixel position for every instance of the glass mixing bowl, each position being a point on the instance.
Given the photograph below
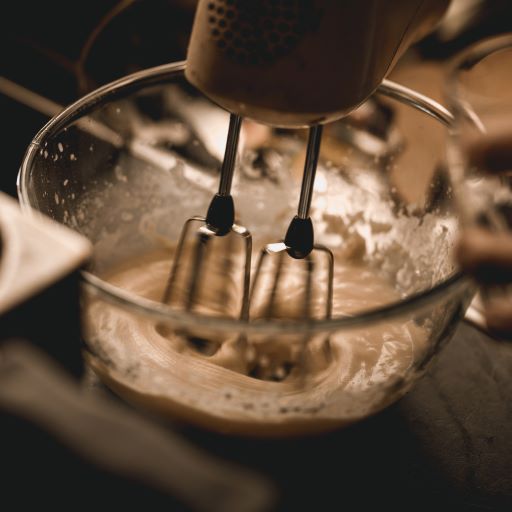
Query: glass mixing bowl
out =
(126, 166)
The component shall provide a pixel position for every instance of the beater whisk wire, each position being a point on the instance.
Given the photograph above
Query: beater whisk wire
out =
(219, 222)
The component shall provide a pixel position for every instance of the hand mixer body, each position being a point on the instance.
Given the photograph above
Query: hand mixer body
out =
(296, 63)
(293, 63)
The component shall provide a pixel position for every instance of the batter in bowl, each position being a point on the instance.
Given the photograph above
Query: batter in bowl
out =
(284, 385)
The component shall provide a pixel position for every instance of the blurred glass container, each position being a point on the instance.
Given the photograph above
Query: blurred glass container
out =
(126, 166)
(479, 152)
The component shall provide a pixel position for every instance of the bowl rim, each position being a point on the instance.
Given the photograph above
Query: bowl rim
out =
(470, 57)
(98, 288)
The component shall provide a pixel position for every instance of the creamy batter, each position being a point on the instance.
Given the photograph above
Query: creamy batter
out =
(281, 386)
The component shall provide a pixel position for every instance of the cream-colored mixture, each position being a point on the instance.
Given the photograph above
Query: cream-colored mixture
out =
(264, 386)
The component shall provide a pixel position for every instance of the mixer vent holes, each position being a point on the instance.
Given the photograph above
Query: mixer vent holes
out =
(254, 33)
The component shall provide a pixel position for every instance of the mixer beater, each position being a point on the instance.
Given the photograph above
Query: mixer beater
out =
(208, 244)
(298, 244)
(294, 279)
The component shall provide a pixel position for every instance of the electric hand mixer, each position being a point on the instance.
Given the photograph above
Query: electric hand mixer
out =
(292, 64)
